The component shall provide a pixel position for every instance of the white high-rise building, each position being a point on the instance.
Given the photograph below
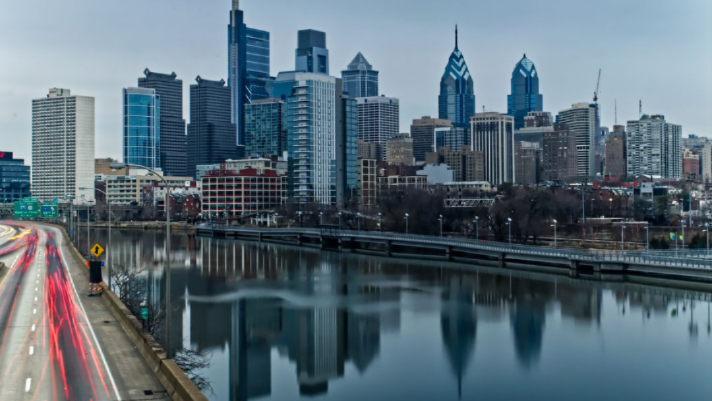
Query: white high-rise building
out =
(706, 162)
(63, 146)
(378, 121)
(493, 135)
(653, 147)
(583, 120)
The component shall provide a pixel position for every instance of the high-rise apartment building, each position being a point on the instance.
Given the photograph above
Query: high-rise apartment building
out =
(211, 132)
(616, 154)
(653, 147)
(248, 67)
(706, 162)
(360, 79)
(142, 127)
(422, 131)
(467, 164)
(560, 155)
(14, 178)
(525, 95)
(311, 54)
(457, 91)
(451, 137)
(527, 162)
(322, 130)
(583, 120)
(399, 150)
(172, 125)
(63, 146)
(493, 135)
(265, 128)
(378, 121)
(690, 165)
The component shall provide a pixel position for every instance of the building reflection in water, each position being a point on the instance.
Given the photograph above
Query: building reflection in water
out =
(324, 310)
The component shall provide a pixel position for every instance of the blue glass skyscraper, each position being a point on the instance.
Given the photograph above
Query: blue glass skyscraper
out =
(142, 143)
(457, 91)
(525, 95)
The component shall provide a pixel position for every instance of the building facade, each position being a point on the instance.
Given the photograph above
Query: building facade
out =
(560, 155)
(142, 127)
(653, 147)
(171, 123)
(367, 150)
(14, 179)
(457, 91)
(527, 162)
(690, 166)
(63, 146)
(360, 79)
(616, 154)
(127, 189)
(467, 164)
(265, 128)
(525, 96)
(399, 150)
(493, 135)
(238, 193)
(451, 137)
(367, 182)
(311, 54)
(378, 121)
(211, 132)
(583, 120)
(422, 132)
(706, 162)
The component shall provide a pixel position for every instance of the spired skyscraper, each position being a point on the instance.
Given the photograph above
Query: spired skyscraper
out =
(360, 79)
(525, 95)
(457, 91)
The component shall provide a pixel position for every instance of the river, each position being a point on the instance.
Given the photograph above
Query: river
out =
(278, 322)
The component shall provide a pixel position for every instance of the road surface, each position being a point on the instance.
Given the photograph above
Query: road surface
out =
(49, 349)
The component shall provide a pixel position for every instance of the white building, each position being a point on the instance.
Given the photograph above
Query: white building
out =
(63, 146)
(493, 135)
(706, 162)
(582, 119)
(124, 189)
(653, 147)
(378, 121)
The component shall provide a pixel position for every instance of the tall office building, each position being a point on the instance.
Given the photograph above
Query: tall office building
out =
(142, 132)
(467, 164)
(399, 150)
(360, 79)
(493, 135)
(527, 162)
(63, 146)
(616, 165)
(653, 147)
(525, 95)
(312, 54)
(560, 155)
(172, 125)
(706, 162)
(14, 178)
(583, 120)
(378, 121)
(457, 91)
(422, 131)
(210, 132)
(248, 67)
(265, 128)
(451, 137)
(322, 131)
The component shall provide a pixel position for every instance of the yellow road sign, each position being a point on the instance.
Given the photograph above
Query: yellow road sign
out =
(97, 250)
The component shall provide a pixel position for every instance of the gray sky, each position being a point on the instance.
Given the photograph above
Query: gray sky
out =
(659, 51)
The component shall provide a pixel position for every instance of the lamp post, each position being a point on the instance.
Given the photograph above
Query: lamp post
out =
(380, 226)
(299, 216)
(509, 223)
(707, 230)
(321, 218)
(108, 248)
(647, 236)
(682, 241)
(88, 227)
(339, 220)
(477, 228)
(622, 237)
(276, 216)
(358, 221)
(440, 219)
(610, 203)
(406, 222)
(555, 223)
(119, 166)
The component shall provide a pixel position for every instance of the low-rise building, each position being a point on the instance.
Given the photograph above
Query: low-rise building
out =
(237, 193)
(467, 164)
(470, 186)
(399, 150)
(127, 189)
(14, 179)
(367, 182)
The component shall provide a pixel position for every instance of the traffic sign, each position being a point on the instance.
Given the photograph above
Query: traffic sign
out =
(97, 250)
(144, 313)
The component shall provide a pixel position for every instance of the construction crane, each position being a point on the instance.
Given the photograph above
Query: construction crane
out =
(598, 85)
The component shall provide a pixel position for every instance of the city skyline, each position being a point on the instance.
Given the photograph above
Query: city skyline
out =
(566, 78)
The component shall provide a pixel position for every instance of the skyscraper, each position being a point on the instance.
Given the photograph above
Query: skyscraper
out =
(210, 132)
(399, 150)
(378, 121)
(653, 147)
(312, 54)
(583, 120)
(452, 137)
(248, 67)
(265, 128)
(62, 146)
(172, 125)
(457, 91)
(360, 79)
(616, 153)
(560, 155)
(14, 178)
(422, 131)
(493, 135)
(525, 95)
(142, 132)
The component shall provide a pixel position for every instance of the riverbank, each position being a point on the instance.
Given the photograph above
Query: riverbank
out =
(142, 225)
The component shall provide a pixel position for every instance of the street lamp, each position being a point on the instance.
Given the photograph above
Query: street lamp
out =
(119, 166)
(406, 222)
(441, 224)
(555, 223)
(87, 202)
(477, 228)
(610, 203)
(321, 218)
(299, 214)
(276, 216)
(339, 220)
(108, 248)
(682, 242)
(380, 226)
(707, 230)
(509, 223)
(622, 237)
(358, 221)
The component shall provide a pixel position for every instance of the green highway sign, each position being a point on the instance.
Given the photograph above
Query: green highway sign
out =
(49, 210)
(28, 208)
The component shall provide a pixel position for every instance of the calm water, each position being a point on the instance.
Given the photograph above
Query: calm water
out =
(286, 323)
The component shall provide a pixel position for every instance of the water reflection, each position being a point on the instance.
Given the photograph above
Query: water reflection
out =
(335, 320)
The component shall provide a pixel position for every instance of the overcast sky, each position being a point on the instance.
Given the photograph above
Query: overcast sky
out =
(659, 51)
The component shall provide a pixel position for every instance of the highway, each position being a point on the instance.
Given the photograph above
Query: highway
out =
(48, 346)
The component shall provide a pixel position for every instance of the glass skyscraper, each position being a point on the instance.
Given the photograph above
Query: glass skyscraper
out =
(312, 54)
(142, 132)
(360, 79)
(14, 178)
(525, 95)
(265, 128)
(457, 91)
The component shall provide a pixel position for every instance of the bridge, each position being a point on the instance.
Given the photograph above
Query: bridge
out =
(688, 265)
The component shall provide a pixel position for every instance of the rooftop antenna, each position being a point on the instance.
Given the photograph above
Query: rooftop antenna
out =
(615, 102)
(640, 108)
(483, 108)
(456, 36)
(598, 85)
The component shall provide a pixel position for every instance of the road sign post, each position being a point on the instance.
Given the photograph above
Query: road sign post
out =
(97, 250)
